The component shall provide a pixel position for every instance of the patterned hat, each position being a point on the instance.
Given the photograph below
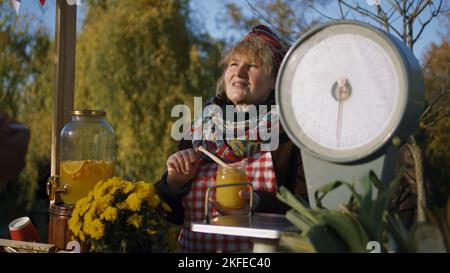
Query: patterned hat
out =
(272, 39)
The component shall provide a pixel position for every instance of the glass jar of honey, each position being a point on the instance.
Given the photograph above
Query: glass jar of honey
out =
(228, 196)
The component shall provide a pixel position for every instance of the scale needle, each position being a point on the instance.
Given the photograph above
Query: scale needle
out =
(340, 97)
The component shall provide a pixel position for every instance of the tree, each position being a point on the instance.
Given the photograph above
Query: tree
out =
(415, 15)
(406, 19)
(36, 112)
(437, 119)
(288, 17)
(16, 49)
(26, 76)
(137, 60)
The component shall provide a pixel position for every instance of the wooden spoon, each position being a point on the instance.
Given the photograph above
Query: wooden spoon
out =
(213, 157)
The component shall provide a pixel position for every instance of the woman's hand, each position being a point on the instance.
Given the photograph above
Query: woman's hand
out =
(245, 195)
(182, 167)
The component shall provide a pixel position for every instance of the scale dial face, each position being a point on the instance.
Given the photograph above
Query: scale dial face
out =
(343, 93)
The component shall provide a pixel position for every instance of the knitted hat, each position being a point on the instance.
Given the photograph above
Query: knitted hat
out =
(272, 39)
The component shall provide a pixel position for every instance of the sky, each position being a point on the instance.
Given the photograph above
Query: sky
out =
(205, 11)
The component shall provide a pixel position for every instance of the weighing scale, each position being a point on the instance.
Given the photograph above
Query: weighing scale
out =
(349, 95)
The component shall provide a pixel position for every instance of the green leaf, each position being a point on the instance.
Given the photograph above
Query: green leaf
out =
(366, 204)
(354, 193)
(299, 221)
(324, 190)
(348, 228)
(366, 186)
(329, 187)
(376, 182)
(287, 197)
(400, 234)
(325, 239)
(294, 242)
(363, 235)
(373, 220)
(351, 205)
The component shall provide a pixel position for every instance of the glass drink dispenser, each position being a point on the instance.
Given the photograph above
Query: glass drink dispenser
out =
(87, 154)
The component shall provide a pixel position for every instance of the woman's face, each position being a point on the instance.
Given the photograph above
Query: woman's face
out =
(247, 82)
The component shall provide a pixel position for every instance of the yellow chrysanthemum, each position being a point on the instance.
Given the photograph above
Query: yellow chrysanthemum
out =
(110, 187)
(124, 186)
(100, 189)
(151, 232)
(102, 206)
(135, 220)
(75, 224)
(133, 202)
(82, 236)
(103, 203)
(122, 205)
(90, 196)
(153, 201)
(89, 217)
(127, 188)
(144, 188)
(95, 229)
(166, 207)
(110, 214)
(82, 206)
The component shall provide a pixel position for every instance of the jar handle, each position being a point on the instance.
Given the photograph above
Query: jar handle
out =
(208, 190)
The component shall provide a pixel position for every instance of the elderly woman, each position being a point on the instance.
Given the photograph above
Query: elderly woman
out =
(248, 79)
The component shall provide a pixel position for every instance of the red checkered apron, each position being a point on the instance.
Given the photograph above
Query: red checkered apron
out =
(259, 170)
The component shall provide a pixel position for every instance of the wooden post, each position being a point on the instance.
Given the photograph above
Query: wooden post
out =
(63, 96)
(63, 93)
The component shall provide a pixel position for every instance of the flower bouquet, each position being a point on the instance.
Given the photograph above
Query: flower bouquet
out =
(123, 216)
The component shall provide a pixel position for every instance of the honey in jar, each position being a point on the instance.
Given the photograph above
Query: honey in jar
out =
(228, 197)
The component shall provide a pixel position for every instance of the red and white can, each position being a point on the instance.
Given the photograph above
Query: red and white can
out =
(22, 229)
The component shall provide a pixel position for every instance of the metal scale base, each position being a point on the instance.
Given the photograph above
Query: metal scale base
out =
(263, 229)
